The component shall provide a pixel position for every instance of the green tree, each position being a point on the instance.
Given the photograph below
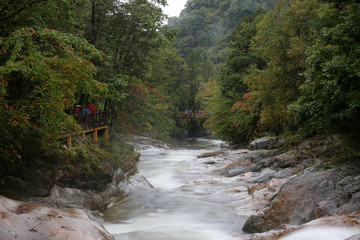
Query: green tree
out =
(131, 34)
(206, 24)
(283, 36)
(63, 15)
(192, 75)
(330, 100)
(134, 30)
(155, 100)
(42, 71)
(235, 110)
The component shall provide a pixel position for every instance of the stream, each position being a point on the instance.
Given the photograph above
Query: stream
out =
(187, 201)
(177, 196)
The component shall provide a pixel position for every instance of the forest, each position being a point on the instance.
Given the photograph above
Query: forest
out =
(262, 68)
(286, 68)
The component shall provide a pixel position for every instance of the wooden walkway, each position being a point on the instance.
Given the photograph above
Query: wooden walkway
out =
(200, 116)
(99, 121)
(91, 123)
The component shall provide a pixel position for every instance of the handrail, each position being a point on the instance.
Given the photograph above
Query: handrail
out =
(193, 115)
(89, 121)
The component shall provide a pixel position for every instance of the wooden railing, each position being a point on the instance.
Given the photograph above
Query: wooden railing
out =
(200, 116)
(89, 121)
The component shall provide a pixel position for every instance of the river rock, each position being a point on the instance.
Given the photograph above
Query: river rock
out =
(26, 221)
(210, 162)
(119, 175)
(296, 201)
(266, 190)
(246, 161)
(210, 154)
(266, 143)
(345, 222)
(345, 202)
(73, 198)
(287, 159)
(265, 175)
(351, 206)
(237, 170)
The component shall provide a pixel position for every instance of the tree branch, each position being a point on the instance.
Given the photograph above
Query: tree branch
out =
(17, 12)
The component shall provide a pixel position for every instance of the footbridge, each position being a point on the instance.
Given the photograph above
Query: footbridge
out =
(192, 115)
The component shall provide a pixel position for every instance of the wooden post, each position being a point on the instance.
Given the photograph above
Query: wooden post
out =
(68, 141)
(95, 137)
(106, 135)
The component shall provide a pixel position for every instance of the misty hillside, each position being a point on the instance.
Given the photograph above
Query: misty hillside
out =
(205, 24)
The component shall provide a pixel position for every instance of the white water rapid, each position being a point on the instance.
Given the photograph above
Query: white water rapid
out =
(187, 202)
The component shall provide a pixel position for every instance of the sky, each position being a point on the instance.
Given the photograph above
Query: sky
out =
(174, 7)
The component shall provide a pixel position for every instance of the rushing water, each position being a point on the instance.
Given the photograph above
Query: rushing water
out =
(187, 201)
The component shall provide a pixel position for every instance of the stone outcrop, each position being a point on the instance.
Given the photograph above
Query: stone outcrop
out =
(209, 154)
(70, 209)
(266, 143)
(67, 197)
(311, 184)
(24, 221)
(89, 195)
(345, 224)
(313, 193)
(100, 175)
(246, 161)
(296, 201)
(346, 201)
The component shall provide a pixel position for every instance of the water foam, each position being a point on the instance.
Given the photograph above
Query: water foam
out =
(322, 233)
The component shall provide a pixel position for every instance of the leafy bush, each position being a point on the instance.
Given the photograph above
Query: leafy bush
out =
(330, 98)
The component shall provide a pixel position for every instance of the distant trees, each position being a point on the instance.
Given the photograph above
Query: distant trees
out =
(282, 39)
(262, 74)
(291, 70)
(235, 109)
(204, 25)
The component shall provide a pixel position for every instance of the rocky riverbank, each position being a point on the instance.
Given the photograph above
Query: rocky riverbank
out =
(293, 187)
(72, 209)
(24, 221)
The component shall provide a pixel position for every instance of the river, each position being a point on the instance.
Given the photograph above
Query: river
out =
(187, 201)
(177, 196)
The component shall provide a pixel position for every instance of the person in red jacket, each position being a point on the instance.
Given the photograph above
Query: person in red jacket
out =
(92, 108)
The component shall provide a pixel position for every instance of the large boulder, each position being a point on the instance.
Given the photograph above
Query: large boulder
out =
(265, 175)
(210, 154)
(296, 201)
(24, 221)
(266, 143)
(66, 197)
(346, 201)
(74, 198)
(345, 225)
(246, 161)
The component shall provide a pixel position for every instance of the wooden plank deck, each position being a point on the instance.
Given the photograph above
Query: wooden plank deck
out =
(91, 123)
(200, 116)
